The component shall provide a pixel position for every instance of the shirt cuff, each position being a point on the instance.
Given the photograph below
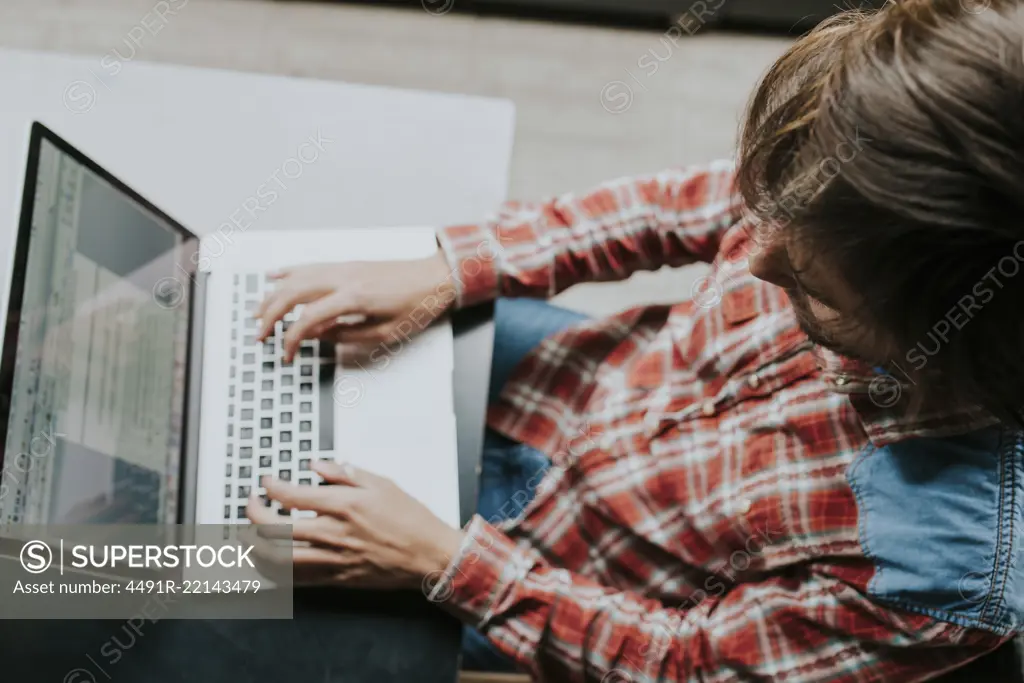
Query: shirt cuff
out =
(480, 576)
(472, 252)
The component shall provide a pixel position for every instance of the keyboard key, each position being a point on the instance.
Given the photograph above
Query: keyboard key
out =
(252, 284)
(286, 418)
(306, 388)
(285, 456)
(268, 349)
(243, 491)
(227, 512)
(266, 501)
(231, 372)
(287, 380)
(250, 340)
(227, 490)
(241, 512)
(248, 395)
(286, 399)
(251, 304)
(306, 350)
(250, 323)
(286, 437)
(266, 461)
(305, 445)
(231, 408)
(231, 430)
(234, 353)
(245, 472)
(266, 422)
(306, 407)
(306, 371)
(231, 391)
(246, 432)
(248, 377)
(249, 358)
(245, 452)
(267, 404)
(284, 512)
(268, 367)
(246, 413)
(305, 426)
(266, 442)
(304, 464)
(284, 475)
(305, 481)
(227, 472)
(267, 385)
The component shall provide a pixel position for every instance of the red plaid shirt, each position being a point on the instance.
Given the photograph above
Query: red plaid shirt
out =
(697, 523)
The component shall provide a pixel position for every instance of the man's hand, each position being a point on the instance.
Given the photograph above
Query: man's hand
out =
(368, 531)
(373, 298)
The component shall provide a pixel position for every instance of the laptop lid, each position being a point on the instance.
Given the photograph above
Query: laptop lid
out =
(94, 372)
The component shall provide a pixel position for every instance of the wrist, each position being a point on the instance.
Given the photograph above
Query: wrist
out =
(443, 547)
(441, 277)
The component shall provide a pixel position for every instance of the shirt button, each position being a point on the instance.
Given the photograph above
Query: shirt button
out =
(753, 382)
(743, 506)
(708, 408)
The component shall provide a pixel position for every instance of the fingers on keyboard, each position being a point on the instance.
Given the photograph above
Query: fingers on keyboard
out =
(274, 407)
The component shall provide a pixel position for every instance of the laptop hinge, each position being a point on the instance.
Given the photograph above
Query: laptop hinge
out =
(190, 472)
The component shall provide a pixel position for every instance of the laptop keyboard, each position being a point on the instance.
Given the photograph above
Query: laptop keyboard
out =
(280, 415)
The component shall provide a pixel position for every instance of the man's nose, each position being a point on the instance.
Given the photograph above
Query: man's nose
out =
(769, 261)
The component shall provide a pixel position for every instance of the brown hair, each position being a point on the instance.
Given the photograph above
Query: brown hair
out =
(892, 144)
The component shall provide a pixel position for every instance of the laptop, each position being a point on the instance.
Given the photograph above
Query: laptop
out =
(134, 390)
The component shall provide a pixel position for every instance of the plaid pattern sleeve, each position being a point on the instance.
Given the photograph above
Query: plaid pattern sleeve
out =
(815, 627)
(537, 250)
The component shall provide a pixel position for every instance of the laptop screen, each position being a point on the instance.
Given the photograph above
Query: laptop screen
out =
(95, 350)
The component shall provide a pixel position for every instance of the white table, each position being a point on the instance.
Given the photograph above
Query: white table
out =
(200, 143)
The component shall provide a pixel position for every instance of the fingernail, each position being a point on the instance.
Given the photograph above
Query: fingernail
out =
(327, 466)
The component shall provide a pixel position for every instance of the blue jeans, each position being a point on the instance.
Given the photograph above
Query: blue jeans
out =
(508, 466)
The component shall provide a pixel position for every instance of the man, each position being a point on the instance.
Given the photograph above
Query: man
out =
(811, 471)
